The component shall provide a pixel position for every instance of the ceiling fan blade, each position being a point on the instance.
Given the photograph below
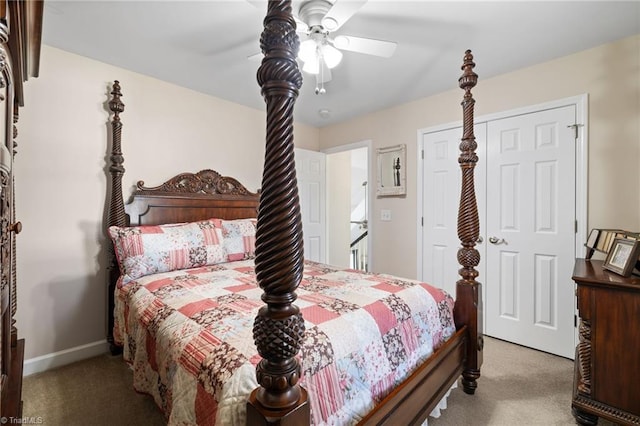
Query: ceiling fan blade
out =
(341, 12)
(367, 46)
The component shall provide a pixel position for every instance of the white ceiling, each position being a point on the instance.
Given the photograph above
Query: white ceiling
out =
(204, 45)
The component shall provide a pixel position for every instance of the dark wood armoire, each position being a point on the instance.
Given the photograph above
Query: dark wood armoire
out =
(20, 39)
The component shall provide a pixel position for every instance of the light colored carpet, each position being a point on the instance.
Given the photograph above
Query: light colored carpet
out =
(519, 386)
(94, 392)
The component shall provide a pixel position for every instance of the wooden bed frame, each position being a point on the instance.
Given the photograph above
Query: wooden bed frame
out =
(279, 326)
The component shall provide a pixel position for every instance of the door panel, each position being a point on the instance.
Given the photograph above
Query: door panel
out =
(509, 300)
(545, 287)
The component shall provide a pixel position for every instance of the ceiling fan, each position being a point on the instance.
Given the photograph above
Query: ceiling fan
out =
(320, 51)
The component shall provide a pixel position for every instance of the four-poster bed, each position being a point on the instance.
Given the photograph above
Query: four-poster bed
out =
(209, 215)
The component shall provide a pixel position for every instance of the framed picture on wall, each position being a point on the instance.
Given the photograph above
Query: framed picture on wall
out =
(623, 256)
(392, 175)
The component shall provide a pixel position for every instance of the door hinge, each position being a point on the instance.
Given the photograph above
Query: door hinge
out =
(575, 321)
(576, 227)
(422, 221)
(575, 129)
(422, 154)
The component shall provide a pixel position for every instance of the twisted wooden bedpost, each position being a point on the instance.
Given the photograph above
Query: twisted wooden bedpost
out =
(279, 327)
(468, 310)
(117, 215)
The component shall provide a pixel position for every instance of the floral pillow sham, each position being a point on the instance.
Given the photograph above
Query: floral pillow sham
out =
(145, 250)
(239, 238)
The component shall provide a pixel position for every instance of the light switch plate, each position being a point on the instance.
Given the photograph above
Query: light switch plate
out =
(385, 215)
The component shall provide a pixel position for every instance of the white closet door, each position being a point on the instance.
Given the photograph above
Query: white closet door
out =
(525, 186)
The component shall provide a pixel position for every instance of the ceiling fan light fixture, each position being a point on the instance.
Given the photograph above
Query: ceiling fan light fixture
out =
(314, 55)
(312, 66)
(331, 56)
(308, 51)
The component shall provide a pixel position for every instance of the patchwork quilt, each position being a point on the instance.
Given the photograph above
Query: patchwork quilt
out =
(188, 337)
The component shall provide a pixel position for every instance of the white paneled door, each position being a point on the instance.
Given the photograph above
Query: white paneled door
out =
(526, 192)
(311, 175)
(530, 232)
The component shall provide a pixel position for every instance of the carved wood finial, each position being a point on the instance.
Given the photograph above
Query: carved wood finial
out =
(469, 298)
(469, 79)
(279, 327)
(115, 104)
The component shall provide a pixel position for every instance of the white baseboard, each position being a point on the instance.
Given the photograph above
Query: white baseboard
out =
(64, 357)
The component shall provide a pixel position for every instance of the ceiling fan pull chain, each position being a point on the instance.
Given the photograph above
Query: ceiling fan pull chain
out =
(322, 91)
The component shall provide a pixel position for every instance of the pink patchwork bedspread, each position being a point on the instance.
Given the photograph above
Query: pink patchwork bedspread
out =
(188, 337)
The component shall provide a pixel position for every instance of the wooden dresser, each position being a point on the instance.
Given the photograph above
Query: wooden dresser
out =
(20, 39)
(607, 367)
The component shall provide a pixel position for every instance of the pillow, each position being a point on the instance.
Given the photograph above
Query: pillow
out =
(239, 238)
(145, 250)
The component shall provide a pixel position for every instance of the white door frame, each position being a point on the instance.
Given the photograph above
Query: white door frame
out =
(582, 161)
(370, 188)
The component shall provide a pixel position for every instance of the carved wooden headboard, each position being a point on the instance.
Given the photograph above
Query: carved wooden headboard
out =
(189, 197)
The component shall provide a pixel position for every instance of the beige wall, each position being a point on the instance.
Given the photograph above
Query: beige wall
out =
(61, 180)
(608, 74)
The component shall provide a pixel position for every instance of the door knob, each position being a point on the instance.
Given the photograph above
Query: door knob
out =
(16, 227)
(496, 240)
(479, 240)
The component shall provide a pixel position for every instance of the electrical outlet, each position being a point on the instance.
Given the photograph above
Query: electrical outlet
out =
(385, 215)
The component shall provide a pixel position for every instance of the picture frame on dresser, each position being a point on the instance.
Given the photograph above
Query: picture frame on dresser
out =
(623, 256)
(592, 240)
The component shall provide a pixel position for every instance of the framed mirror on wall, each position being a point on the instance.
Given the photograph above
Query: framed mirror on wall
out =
(392, 176)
